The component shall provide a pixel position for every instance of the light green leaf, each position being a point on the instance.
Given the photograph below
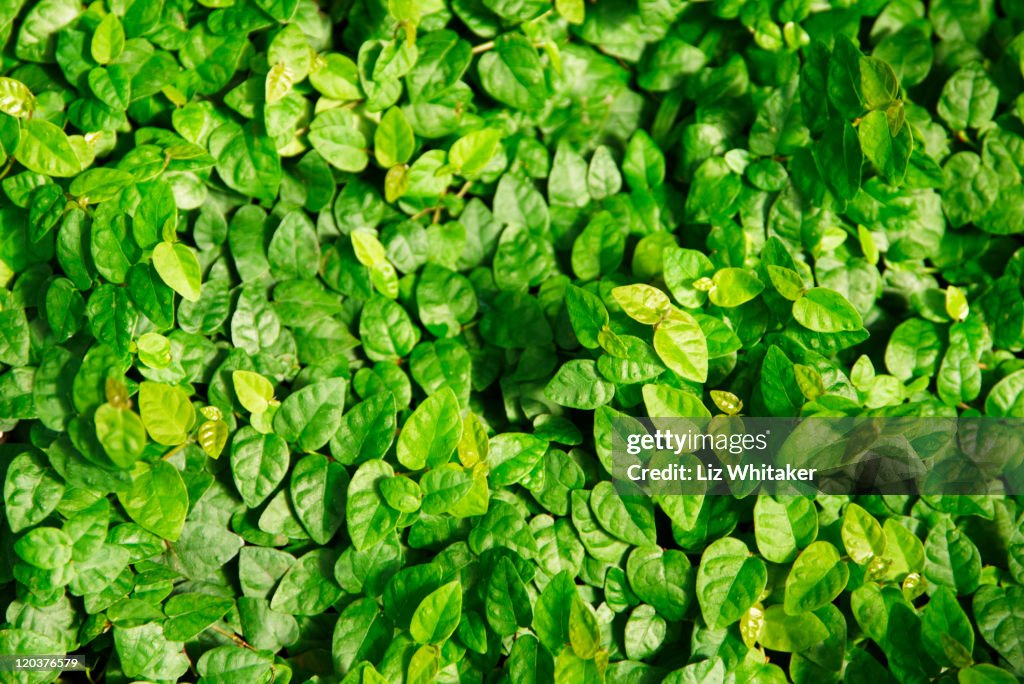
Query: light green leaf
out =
(167, 412)
(432, 433)
(179, 268)
(157, 499)
(108, 40)
(681, 344)
(733, 287)
(393, 142)
(45, 148)
(470, 154)
(254, 391)
(823, 310)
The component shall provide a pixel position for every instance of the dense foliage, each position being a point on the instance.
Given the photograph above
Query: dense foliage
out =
(315, 320)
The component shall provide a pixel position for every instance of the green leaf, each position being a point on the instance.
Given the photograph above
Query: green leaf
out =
(578, 385)
(362, 634)
(405, 495)
(311, 416)
(662, 578)
(782, 631)
(512, 73)
(1000, 621)
(368, 518)
(956, 303)
(644, 164)
(817, 577)
(44, 547)
(587, 315)
(969, 98)
(784, 526)
(15, 98)
(190, 614)
(862, 535)
(157, 499)
(336, 136)
(226, 664)
(570, 10)
(294, 251)
(985, 674)
(393, 142)
(112, 318)
(431, 434)
(839, 159)
(472, 153)
(603, 177)
(45, 148)
(108, 40)
(367, 430)
(258, 464)
(599, 248)
(733, 287)
(437, 615)
(247, 160)
(584, 632)
(885, 146)
(291, 49)
(729, 581)
(823, 310)
(157, 214)
(386, 330)
(507, 602)
(146, 653)
(681, 344)
(336, 76)
(512, 456)
(879, 87)
(946, 632)
(317, 489)
(913, 349)
(32, 491)
(166, 412)
(254, 391)
(951, 558)
(642, 303)
(645, 632)
(15, 342)
(308, 587)
(567, 182)
(628, 518)
(179, 269)
(786, 281)
(122, 434)
(1006, 398)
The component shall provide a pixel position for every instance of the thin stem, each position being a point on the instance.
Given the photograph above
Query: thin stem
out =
(422, 212)
(170, 454)
(234, 637)
(483, 47)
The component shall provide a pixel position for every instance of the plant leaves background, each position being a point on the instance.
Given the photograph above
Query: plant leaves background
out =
(315, 317)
